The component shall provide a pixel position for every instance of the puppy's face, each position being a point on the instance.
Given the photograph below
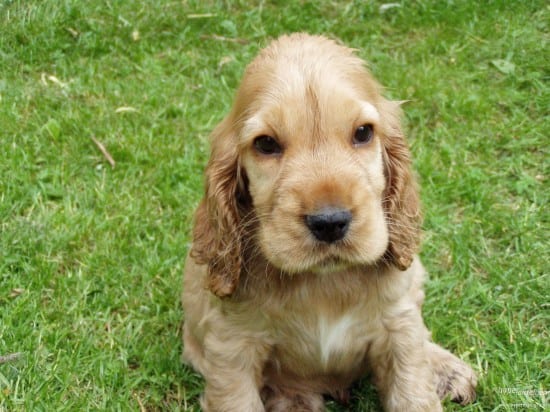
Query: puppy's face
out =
(310, 145)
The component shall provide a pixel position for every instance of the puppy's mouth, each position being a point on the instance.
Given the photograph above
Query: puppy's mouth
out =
(330, 265)
(320, 259)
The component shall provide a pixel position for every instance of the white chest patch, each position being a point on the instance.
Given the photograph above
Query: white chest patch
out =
(337, 335)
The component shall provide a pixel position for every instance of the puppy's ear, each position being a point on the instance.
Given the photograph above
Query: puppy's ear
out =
(401, 199)
(216, 237)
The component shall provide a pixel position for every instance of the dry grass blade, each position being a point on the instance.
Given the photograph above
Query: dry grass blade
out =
(104, 151)
(223, 38)
(11, 357)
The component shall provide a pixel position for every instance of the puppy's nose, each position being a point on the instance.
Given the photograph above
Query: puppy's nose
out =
(329, 224)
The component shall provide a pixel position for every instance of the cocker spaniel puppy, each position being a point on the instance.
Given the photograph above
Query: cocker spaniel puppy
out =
(303, 274)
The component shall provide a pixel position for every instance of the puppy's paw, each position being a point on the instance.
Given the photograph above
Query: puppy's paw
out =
(457, 380)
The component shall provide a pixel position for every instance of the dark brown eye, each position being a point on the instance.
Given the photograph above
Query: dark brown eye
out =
(267, 145)
(363, 135)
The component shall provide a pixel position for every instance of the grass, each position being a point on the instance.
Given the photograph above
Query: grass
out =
(91, 256)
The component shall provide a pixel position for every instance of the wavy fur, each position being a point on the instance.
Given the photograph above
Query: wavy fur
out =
(276, 316)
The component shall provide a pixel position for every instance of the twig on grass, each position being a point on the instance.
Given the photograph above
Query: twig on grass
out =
(142, 407)
(11, 357)
(201, 15)
(223, 38)
(104, 151)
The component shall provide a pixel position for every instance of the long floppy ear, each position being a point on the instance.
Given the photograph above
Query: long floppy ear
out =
(401, 199)
(216, 240)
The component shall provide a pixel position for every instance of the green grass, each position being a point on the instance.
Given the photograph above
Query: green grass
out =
(91, 256)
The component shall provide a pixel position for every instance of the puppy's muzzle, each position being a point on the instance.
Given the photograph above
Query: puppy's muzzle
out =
(329, 224)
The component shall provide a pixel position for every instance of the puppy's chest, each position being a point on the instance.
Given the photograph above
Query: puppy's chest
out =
(340, 337)
(324, 341)
(322, 325)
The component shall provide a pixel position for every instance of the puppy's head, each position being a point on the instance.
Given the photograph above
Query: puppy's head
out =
(312, 160)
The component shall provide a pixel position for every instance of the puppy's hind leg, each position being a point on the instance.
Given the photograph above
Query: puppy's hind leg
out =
(277, 400)
(192, 352)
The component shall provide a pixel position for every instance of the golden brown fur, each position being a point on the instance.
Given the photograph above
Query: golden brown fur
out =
(276, 315)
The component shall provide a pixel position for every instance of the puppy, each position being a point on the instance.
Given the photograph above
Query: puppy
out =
(303, 274)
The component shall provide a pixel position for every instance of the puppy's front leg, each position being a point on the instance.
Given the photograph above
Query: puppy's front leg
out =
(233, 372)
(400, 364)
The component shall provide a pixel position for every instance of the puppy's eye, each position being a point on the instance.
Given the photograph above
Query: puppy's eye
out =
(267, 145)
(363, 135)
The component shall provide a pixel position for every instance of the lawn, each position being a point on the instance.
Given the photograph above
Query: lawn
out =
(92, 248)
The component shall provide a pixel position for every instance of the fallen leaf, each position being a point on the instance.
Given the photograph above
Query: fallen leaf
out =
(504, 66)
(16, 292)
(388, 6)
(125, 109)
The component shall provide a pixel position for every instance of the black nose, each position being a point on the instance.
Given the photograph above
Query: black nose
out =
(329, 225)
